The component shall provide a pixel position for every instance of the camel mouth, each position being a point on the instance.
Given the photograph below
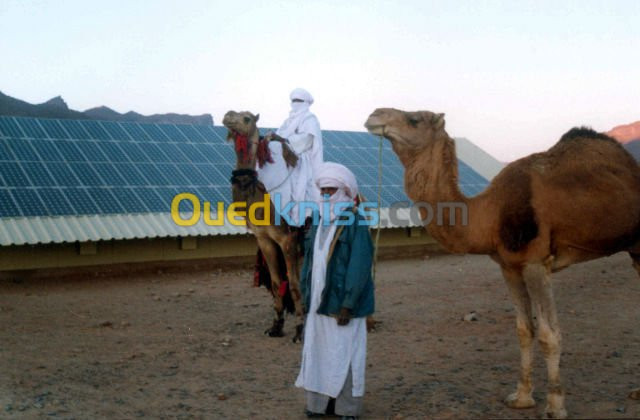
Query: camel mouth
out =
(374, 127)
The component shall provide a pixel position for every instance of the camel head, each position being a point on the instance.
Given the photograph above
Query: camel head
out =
(407, 131)
(244, 123)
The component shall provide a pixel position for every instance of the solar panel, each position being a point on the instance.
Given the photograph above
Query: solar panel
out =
(95, 130)
(9, 128)
(22, 149)
(38, 174)
(69, 167)
(31, 128)
(105, 200)
(30, 203)
(8, 207)
(115, 131)
(81, 201)
(47, 150)
(53, 129)
(74, 129)
(70, 151)
(13, 175)
(55, 201)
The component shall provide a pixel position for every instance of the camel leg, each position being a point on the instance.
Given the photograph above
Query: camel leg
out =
(635, 394)
(270, 252)
(538, 281)
(523, 397)
(290, 250)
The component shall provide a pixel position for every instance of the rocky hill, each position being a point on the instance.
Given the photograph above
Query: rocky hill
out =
(58, 108)
(629, 136)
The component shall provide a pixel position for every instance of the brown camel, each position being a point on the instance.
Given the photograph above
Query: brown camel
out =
(272, 239)
(577, 201)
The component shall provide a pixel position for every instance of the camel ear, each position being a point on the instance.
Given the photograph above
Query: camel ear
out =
(257, 117)
(437, 120)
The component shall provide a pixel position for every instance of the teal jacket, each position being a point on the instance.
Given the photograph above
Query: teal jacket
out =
(348, 277)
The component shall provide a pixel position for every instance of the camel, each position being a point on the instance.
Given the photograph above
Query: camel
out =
(578, 201)
(275, 241)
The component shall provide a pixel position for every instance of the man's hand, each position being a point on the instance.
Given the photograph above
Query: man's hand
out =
(344, 317)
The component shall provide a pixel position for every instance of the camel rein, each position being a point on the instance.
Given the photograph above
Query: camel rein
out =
(375, 248)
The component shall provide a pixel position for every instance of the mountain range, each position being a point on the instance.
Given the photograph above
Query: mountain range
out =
(58, 108)
(629, 136)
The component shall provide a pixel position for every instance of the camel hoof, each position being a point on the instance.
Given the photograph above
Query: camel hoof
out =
(560, 413)
(635, 394)
(516, 401)
(274, 332)
(299, 332)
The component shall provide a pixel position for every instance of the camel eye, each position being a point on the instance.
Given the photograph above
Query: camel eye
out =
(247, 120)
(413, 121)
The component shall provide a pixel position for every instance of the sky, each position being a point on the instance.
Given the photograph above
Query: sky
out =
(511, 76)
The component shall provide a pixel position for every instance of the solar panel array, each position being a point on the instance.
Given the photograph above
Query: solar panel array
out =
(54, 167)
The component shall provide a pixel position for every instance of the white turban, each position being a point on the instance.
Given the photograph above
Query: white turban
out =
(334, 175)
(301, 94)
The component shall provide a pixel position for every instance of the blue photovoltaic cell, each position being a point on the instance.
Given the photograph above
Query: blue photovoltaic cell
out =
(115, 131)
(47, 150)
(22, 149)
(192, 173)
(152, 174)
(95, 130)
(113, 152)
(130, 200)
(208, 152)
(134, 152)
(7, 206)
(70, 151)
(109, 174)
(173, 151)
(155, 154)
(174, 176)
(172, 132)
(80, 200)
(53, 129)
(154, 132)
(192, 153)
(206, 132)
(75, 130)
(30, 203)
(130, 174)
(212, 175)
(227, 153)
(62, 174)
(5, 151)
(13, 175)
(31, 128)
(91, 150)
(106, 202)
(86, 174)
(134, 131)
(9, 128)
(38, 174)
(190, 133)
(152, 200)
(55, 201)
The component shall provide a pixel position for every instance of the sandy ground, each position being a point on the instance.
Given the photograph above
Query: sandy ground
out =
(191, 345)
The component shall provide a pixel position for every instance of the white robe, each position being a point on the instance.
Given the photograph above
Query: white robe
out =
(277, 177)
(302, 130)
(330, 349)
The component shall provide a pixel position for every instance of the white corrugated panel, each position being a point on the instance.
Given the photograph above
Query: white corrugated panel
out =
(59, 229)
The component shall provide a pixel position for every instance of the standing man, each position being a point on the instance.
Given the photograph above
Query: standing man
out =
(338, 295)
(302, 130)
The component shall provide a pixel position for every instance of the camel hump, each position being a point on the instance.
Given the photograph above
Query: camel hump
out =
(584, 133)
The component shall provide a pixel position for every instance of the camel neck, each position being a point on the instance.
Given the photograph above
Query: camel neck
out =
(432, 177)
(246, 159)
